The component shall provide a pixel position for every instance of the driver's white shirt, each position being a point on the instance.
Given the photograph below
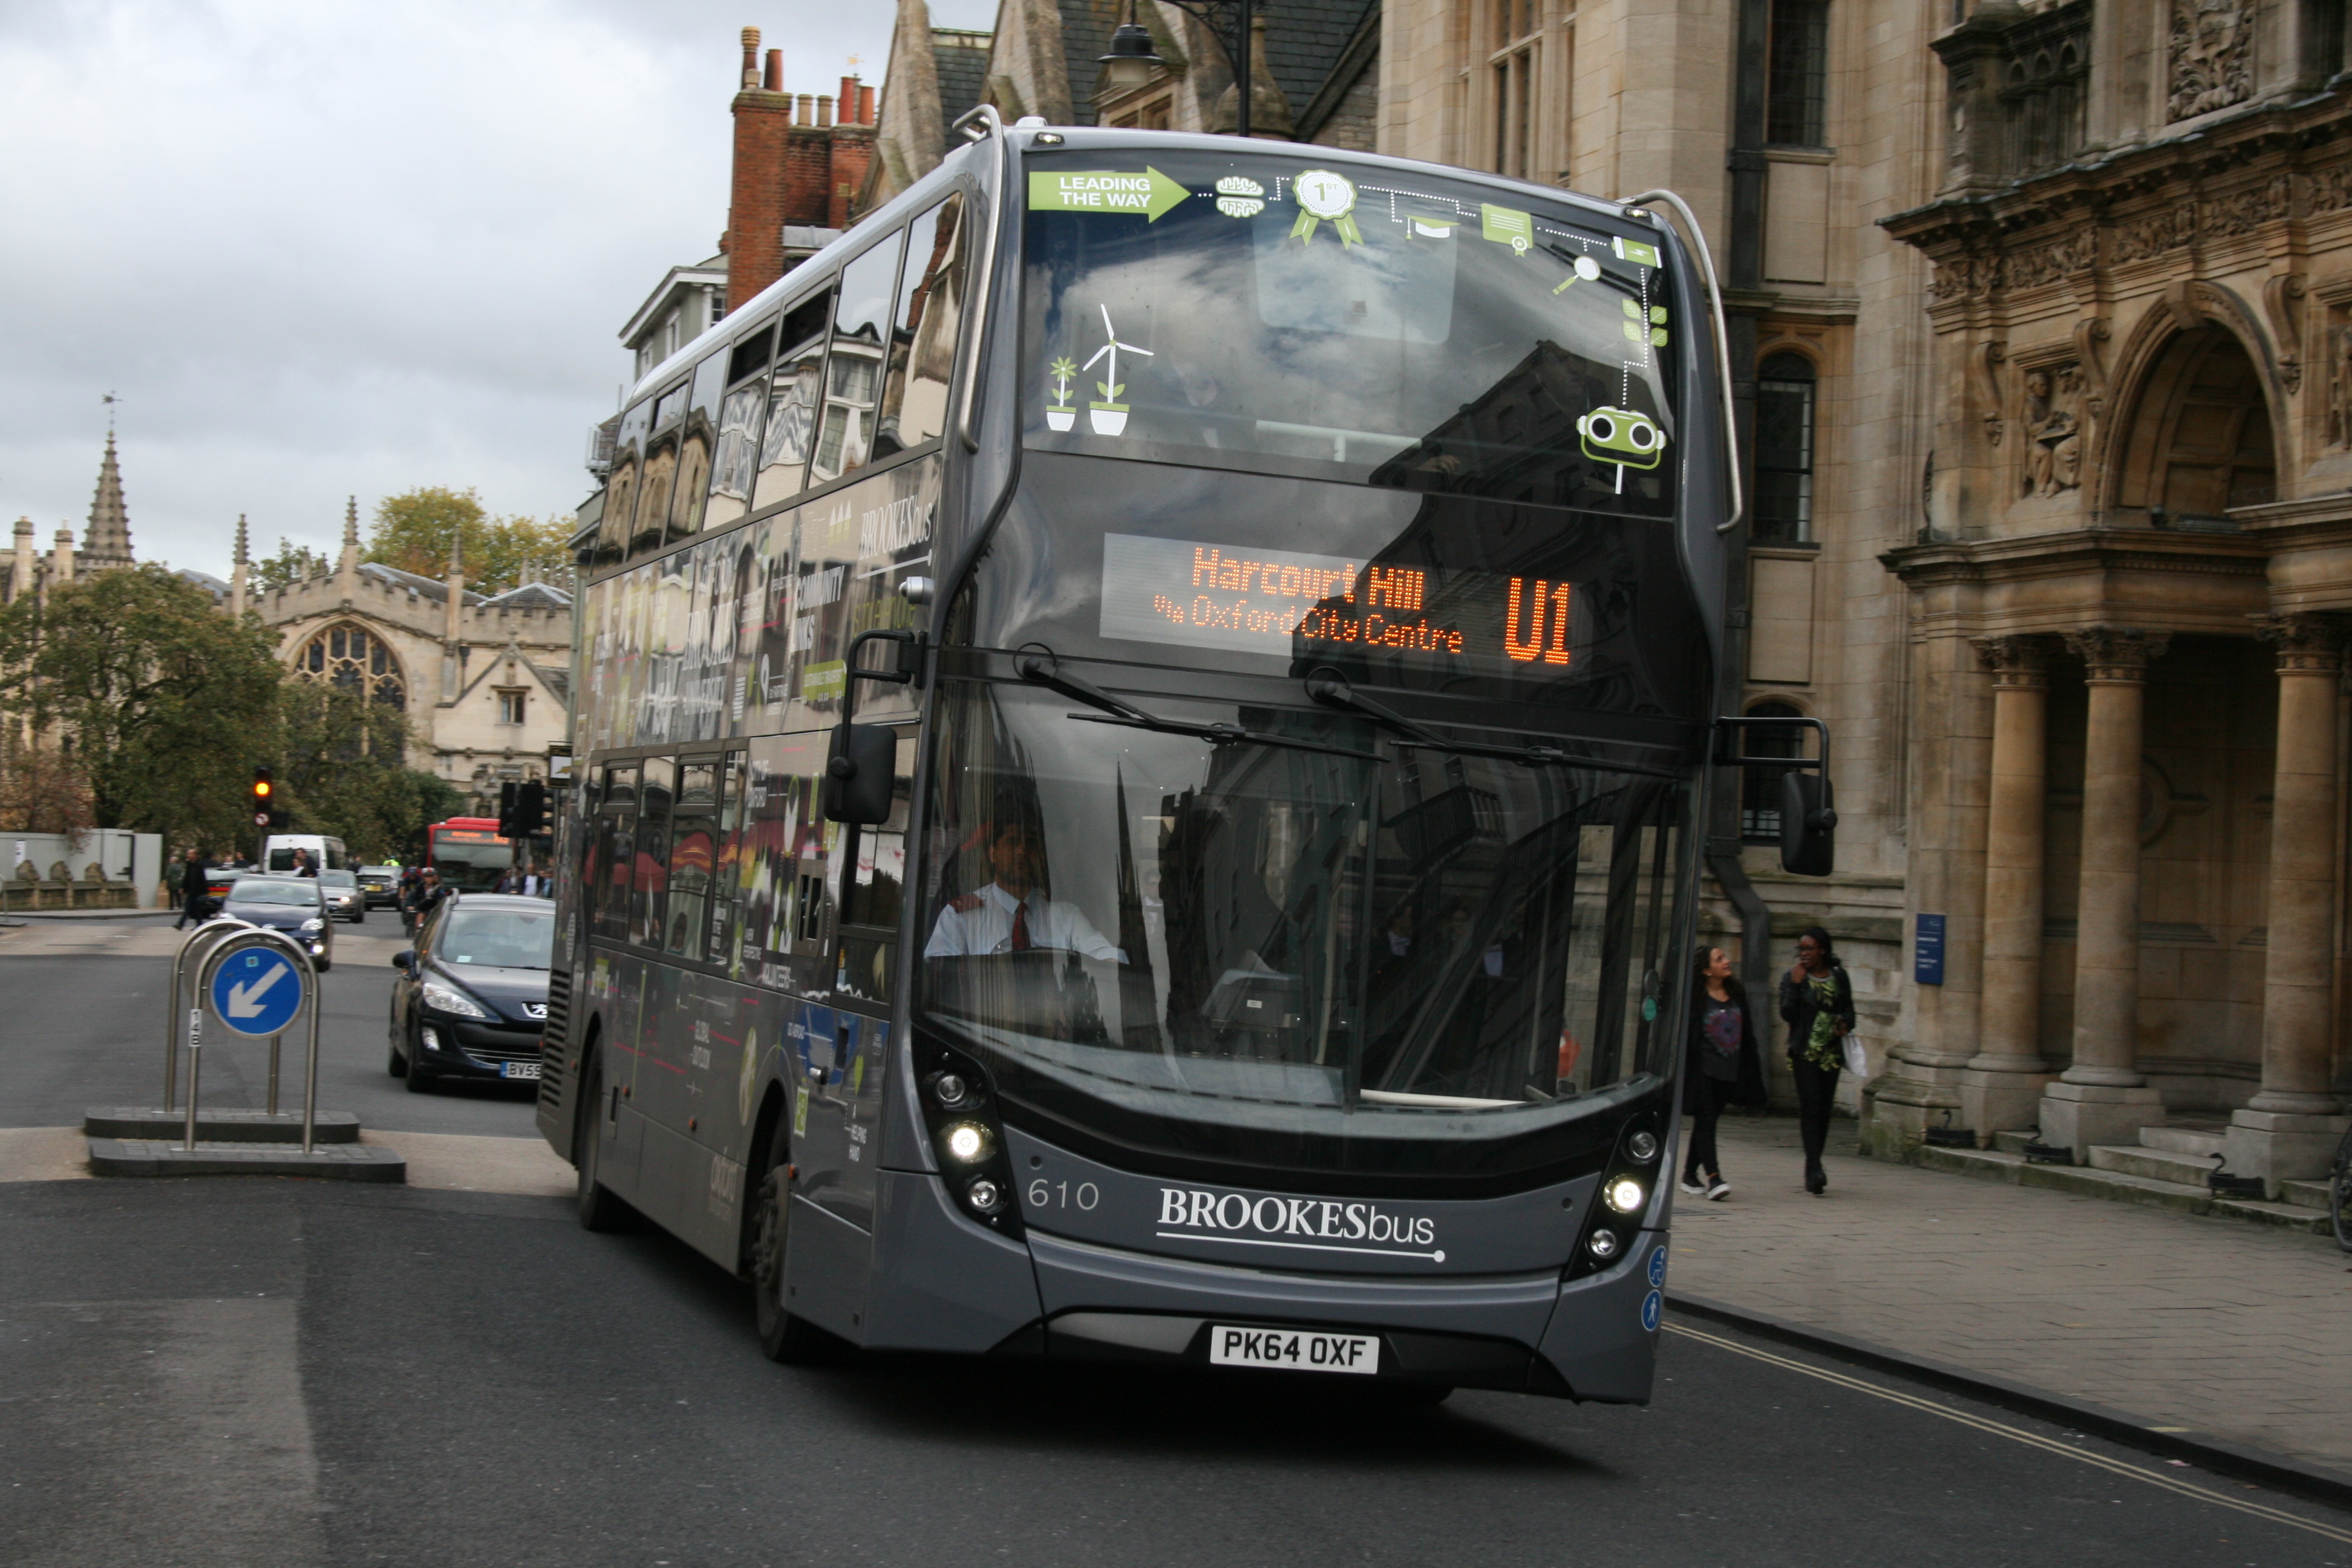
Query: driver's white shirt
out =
(987, 927)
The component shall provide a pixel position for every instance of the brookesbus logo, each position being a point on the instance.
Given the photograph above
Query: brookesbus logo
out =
(1298, 1225)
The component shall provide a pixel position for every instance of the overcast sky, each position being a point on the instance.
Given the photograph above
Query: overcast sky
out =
(323, 248)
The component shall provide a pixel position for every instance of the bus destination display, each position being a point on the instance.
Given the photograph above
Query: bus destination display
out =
(1286, 603)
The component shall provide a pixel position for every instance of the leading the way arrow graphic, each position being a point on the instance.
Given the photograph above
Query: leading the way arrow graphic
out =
(244, 1001)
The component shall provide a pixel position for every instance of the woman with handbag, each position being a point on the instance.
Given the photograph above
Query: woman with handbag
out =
(1725, 1067)
(1817, 1000)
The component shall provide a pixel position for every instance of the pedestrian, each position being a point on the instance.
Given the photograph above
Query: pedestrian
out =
(1817, 1000)
(176, 878)
(196, 900)
(303, 864)
(1725, 1065)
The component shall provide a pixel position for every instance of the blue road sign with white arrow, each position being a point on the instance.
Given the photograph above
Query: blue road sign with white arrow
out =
(257, 991)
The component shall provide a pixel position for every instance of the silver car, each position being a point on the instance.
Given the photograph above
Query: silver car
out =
(346, 899)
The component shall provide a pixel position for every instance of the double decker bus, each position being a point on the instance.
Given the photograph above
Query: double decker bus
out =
(1144, 721)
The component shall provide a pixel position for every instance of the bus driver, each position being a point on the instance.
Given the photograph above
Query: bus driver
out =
(1012, 913)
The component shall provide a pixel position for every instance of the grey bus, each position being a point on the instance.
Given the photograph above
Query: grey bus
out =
(1143, 724)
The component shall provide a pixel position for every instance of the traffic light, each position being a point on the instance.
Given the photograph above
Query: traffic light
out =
(263, 793)
(506, 811)
(529, 810)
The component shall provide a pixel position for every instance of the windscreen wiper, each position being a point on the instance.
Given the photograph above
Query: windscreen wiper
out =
(1329, 687)
(1040, 667)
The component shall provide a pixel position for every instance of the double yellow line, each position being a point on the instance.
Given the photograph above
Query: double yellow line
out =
(2018, 1434)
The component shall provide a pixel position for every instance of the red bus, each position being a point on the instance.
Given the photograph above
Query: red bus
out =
(468, 853)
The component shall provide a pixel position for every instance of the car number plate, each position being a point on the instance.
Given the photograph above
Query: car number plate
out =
(1294, 1350)
(520, 1069)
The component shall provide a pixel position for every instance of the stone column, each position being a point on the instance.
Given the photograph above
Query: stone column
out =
(2288, 1132)
(2002, 1088)
(2101, 1098)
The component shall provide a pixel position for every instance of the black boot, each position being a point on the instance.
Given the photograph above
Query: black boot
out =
(1817, 1180)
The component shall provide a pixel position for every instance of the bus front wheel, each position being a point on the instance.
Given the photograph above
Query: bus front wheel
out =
(782, 1336)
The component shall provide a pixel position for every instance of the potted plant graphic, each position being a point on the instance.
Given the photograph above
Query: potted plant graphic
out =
(1059, 414)
(1108, 416)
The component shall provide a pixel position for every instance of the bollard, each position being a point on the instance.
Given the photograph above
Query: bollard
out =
(195, 1039)
(211, 930)
(273, 1072)
(308, 975)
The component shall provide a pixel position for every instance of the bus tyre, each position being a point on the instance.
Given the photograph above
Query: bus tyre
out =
(783, 1337)
(597, 1207)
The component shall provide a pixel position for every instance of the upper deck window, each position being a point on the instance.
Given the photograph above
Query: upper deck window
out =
(1343, 322)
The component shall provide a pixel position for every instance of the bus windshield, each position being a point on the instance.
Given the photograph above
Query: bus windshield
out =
(1174, 941)
(1265, 312)
(471, 860)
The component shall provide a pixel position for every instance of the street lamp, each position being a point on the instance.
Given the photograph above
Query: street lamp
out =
(1133, 60)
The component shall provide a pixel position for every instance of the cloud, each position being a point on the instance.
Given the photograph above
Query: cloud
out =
(325, 250)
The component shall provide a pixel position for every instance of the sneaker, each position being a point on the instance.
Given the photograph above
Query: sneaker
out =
(1717, 1190)
(1694, 1186)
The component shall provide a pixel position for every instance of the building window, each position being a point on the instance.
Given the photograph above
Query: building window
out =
(1797, 71)
(1785, 388)
(511, 706)
(1760, 788)
(355, 658)
(718, 306)
(1516, 50)
(1153, 116)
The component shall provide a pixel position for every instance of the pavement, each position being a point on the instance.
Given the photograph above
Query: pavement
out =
(2197, 1325)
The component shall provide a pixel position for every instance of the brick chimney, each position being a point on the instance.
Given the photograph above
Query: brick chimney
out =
(756, 213)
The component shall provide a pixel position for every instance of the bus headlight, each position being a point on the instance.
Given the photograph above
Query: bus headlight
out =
(1642, 1146)
(968, 1143)
(1604, 1244)
(1625, 1194)
(951, 1090)
(985, 1195)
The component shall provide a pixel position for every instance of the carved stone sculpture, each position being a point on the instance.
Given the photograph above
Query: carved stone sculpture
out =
(2213, 47)
(2053, 425)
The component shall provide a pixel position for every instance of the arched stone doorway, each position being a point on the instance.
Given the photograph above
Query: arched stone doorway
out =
(2200, 441)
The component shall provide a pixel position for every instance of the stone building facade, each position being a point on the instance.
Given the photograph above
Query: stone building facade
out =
(484, 679)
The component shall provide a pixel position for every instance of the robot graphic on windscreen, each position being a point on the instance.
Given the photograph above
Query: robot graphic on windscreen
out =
(1622, 436)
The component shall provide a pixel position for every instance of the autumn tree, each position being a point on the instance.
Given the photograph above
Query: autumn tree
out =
(165, 703)
(412, 531)
(44, 789)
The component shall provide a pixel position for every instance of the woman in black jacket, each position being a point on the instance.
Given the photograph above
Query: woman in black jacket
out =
(1725, 1066)
(1817, 1000)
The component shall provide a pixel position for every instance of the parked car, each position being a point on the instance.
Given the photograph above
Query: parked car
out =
(380, 885)
(343, 897)
(295, 905)
(471, 999)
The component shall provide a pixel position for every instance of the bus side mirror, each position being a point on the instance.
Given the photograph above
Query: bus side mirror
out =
(857, 774)
(1807, 825)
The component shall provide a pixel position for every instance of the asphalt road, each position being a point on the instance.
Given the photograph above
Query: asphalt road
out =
(81, 1024)
(237, 1370)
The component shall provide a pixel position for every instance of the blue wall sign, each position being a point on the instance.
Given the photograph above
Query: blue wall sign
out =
(1651, 1304)
(1927, 951)
(257, 991)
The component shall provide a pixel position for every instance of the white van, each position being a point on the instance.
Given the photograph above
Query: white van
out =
(326, 854)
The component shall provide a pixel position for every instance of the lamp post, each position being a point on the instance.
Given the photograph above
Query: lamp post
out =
(1132, 59)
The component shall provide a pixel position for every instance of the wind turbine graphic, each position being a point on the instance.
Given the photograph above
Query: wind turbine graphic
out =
(1108, 416)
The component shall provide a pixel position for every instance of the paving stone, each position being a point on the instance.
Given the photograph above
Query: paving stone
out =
(333, 1162)
(2237, 1331)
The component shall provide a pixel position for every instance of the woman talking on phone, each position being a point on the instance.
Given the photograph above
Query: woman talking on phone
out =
(1817, 1000)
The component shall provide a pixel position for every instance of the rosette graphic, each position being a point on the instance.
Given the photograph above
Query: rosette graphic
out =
(1325, 197)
